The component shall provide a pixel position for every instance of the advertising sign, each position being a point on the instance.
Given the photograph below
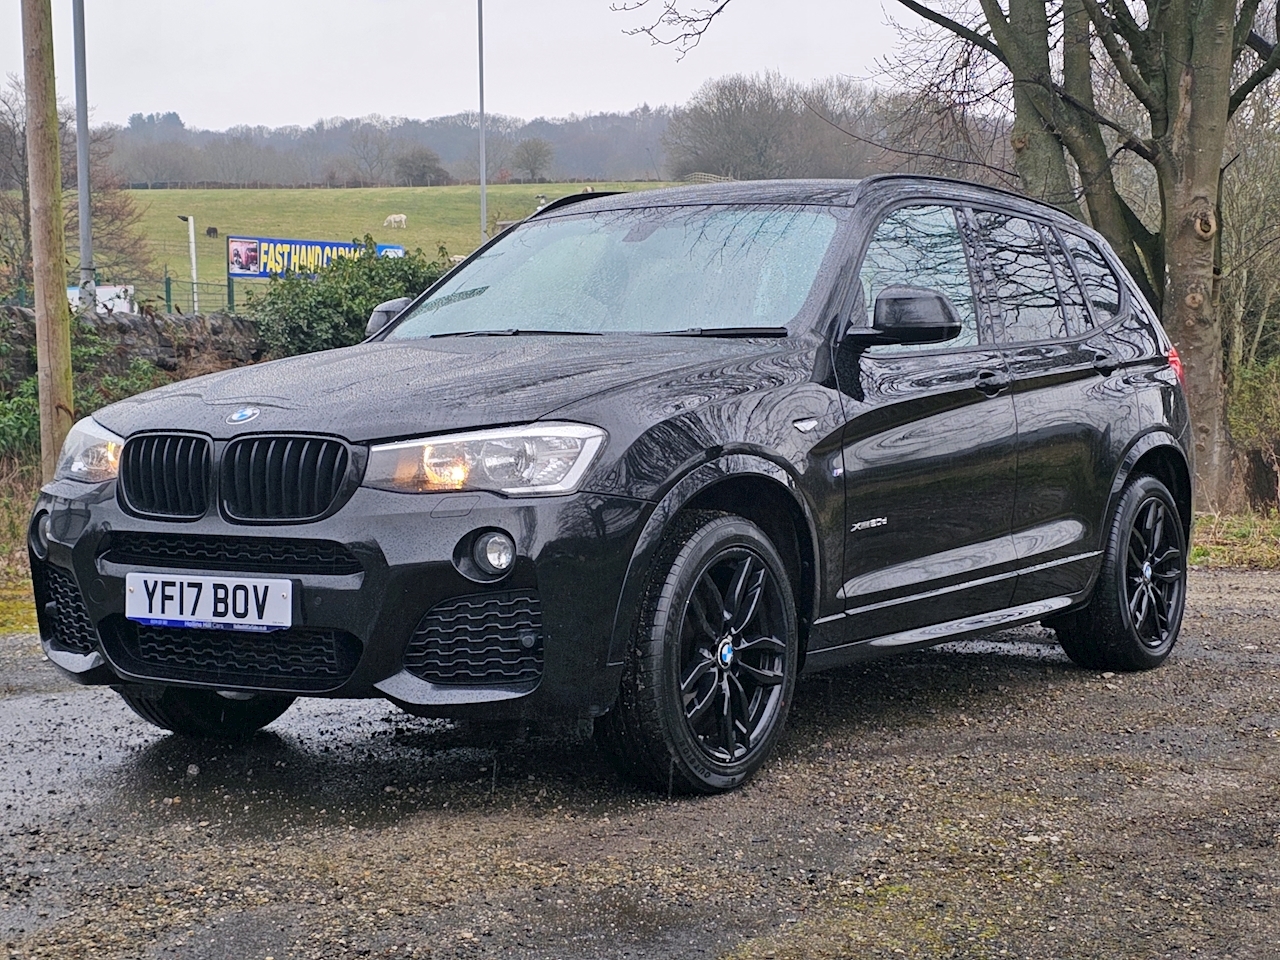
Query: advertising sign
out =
(263, 256)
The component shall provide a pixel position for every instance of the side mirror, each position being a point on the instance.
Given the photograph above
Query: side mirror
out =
(384, 313)
(915, 315)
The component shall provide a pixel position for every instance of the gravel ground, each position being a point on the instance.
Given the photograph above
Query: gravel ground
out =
(978, 800)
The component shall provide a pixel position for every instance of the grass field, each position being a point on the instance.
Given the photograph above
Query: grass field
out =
(436, 215)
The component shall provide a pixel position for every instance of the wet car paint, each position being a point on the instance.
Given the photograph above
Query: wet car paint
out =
(829, 438)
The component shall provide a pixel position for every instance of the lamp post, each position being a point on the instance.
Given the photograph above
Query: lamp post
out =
(484, 200)
(191, 239)
(88, 293)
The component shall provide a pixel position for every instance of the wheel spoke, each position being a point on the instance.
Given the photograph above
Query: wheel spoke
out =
(701, 621)
(1139, 597)
(695, 709)
(1157, 535)
(728, 733)
(1135, 556)
(742, 704)
(744, 595)
(761, 675)
(697, 671)
(761, 644)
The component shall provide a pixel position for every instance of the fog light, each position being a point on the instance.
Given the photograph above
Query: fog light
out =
(494, 553)
(40, 536)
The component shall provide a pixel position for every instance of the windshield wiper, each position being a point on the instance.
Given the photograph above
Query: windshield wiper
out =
(518, 332)
(722, 332)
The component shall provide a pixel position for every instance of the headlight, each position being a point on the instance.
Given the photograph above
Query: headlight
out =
(537, 458)
(90, 453)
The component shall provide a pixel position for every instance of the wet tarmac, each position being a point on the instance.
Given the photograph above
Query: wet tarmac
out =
(978, 800)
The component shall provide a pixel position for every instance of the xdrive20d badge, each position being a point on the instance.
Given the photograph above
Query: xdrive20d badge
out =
(642, 460)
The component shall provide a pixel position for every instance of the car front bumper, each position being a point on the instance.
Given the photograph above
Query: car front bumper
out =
(392, 617)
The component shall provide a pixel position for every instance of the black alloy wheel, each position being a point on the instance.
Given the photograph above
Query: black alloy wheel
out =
(1155, 575)
(712, 670)
(1132, 619)
(732, 664)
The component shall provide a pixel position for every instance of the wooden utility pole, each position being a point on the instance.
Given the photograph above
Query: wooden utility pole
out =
(48, 242)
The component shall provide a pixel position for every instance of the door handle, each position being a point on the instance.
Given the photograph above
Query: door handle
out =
(1105, 363)
(992, 382)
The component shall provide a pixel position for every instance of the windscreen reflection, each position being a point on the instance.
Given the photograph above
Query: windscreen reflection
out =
(635, 271)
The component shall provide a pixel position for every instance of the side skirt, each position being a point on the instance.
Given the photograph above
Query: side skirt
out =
(933, 634)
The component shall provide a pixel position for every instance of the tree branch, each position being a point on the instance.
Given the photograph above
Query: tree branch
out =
(689, 26)
(1128, 72)
(1244, 27)
(959, 29)
(1270, 63)
(1012, 175)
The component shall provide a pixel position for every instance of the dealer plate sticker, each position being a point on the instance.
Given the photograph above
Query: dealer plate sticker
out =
(218, 603)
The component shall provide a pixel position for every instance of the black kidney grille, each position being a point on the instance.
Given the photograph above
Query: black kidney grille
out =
(192, 552)
(483, 639)
(282, 478)
(298, 660)
(66, 623)
(167, 475)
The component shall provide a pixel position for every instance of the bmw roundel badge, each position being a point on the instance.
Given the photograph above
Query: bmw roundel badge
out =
(243, 415)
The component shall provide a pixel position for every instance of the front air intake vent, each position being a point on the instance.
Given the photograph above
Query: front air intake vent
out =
(272, 479)
(479, 640)
(167, 476)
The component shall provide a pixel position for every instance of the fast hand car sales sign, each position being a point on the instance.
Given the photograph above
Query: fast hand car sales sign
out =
(263, 256)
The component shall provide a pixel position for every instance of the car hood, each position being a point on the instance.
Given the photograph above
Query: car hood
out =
(381, 391)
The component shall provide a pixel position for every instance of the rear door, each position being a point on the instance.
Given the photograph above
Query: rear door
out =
(1068, 394)
(928, 448)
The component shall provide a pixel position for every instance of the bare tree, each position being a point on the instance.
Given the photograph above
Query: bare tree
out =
(533, 156)
(372, 150)
(1189, 66)
(420, 167)
(121, 251)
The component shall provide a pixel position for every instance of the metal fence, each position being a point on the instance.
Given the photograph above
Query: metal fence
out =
(170, 295)
(174, 295)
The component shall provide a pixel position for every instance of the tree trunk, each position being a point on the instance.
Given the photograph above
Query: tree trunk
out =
(1038, 158)
(49, 254)
(1189, 162)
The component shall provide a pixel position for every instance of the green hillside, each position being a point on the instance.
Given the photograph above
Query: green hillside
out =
(448, 216)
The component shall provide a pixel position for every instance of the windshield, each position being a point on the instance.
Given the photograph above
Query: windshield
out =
(635, 271)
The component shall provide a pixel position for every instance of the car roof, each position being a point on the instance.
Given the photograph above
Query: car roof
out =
(841, 193)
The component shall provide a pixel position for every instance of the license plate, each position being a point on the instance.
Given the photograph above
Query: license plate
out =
(218, 603)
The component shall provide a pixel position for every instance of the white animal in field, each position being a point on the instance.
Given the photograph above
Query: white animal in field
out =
(396, 220)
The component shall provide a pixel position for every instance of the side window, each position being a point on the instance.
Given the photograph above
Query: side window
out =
(1021, 283)
(921, 247)
(1100, 284)
(1069, 288)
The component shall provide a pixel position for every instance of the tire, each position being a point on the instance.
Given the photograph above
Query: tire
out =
(712, 664)
(204, 714)
(1131, 622)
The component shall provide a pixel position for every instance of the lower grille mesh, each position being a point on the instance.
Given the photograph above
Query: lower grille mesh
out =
(298, 660)
(190, 552)
(484, 639)
(67, 625)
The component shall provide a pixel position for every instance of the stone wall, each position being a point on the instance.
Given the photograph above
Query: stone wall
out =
(188, 345)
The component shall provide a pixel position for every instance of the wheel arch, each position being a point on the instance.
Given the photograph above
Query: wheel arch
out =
(1157, 454)
(749, 486)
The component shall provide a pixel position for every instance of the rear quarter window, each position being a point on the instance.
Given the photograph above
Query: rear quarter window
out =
(1100, 284)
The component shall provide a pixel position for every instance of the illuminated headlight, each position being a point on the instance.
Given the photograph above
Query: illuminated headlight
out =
(537, 458)
(90, 453)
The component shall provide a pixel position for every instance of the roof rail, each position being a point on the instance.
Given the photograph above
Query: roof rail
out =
(559, 202)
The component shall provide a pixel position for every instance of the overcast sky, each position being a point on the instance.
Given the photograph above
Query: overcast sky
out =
(277, 62)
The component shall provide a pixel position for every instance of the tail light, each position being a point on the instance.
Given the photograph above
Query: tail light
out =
(1175, 361)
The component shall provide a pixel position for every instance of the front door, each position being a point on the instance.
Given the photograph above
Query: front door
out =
(929, 448)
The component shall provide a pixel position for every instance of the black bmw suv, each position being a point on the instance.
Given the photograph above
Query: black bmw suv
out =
(642, 459)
